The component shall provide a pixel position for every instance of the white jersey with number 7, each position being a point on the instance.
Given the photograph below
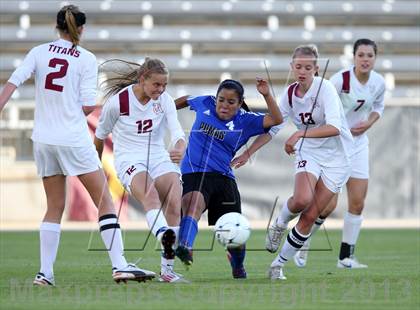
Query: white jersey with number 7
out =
(65, 80)
(359, 100)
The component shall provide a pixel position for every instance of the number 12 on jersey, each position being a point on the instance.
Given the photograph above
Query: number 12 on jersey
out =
(144, 126)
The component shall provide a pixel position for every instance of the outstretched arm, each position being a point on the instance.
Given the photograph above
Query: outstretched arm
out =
(181, 102)
(274, 116)
(6, 93)
(258, 143)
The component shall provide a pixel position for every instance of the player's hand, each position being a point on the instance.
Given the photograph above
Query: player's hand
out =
(360, 128)
(240, 160)
(176, 155)
(289, 145)
(263, 87)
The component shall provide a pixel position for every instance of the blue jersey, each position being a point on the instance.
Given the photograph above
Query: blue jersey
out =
(214, 142)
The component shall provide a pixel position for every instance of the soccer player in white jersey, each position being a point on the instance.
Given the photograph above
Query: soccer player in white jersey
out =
(138, 112)
(361, 91)
(65, 81)
(321, 145)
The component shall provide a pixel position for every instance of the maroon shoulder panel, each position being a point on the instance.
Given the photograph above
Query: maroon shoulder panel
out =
(290, 91)
(346, 82)
(124, 106)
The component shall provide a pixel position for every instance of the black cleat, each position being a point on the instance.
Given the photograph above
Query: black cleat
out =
(185, 255)
(132, 273)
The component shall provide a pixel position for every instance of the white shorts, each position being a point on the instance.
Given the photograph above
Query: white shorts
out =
(334, 178)
(360, 163)
(65, 160)
(155, 169)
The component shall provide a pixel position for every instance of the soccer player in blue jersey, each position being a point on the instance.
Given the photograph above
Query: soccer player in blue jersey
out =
(222, 126)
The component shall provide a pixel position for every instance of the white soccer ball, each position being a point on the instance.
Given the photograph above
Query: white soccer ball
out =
(232, 230)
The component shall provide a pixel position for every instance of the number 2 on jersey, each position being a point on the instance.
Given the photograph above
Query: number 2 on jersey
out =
(49, 80)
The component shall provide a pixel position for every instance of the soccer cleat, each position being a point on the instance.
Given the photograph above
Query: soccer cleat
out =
(185, 255)
(301, 256)
(350, 263)
(239, 272)
(170, 276)
(273, 238)
(132, 273)
(276, 273)
(42, 280)
(168, 240)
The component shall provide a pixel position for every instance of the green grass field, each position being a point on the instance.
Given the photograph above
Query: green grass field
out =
(83, 277)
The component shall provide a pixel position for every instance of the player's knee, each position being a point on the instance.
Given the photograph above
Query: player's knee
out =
(356, 210)
(300, 203)
(173, 211)
(356, 207)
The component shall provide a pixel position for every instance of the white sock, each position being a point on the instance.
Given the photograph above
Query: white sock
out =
(156, 221)
(166, 264)
(49, 235)
(351, 228)
(111, 236)
(285, 215)
(293, 243)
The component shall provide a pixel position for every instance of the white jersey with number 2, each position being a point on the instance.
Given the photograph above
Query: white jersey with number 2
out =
(65, 80)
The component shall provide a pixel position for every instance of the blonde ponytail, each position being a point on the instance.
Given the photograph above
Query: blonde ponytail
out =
(123, 73)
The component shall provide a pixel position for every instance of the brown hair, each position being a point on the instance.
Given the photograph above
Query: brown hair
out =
(69, 18)
(124, 73)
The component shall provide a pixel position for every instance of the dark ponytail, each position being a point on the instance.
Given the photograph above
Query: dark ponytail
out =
(69, 18)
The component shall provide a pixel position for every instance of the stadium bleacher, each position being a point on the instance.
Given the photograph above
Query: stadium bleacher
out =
(205, 41)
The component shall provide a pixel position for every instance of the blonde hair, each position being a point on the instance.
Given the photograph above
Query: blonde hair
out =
(306, 50)
(124, 73)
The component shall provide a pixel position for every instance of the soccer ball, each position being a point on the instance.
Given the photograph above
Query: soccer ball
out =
(232, 230)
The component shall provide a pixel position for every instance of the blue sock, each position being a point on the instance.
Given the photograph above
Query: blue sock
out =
(187, 231)
(237, 257)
